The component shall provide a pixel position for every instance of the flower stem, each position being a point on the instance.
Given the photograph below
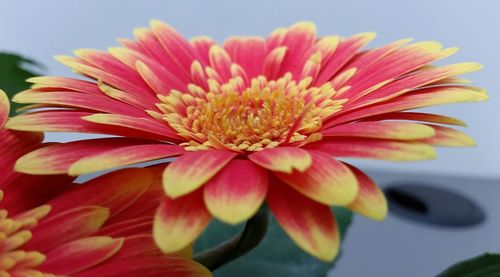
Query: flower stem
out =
(249, 238)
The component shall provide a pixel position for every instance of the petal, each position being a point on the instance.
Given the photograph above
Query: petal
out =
(237, 192)
(81, 254)
(273, 63)
(424, 117)
(282, 159)
(220, 62)
(202, 45)
(178, 222)
(193, 169)
(177, 47)
(59, 228)
(382, 130)
(137, 246)
(327, 180)
(421, 98)
(395, 64)
(111, 72)
(86, 101)
(310, 224)
(133, 122)
(71, 121)
(343, 53)
(123, 156)
(248, 52)
(448, 137)
(4, 108)
(299, 39)
(375, 149)
(153, 50)
(116, 190)
(62, 83)
(58, 158)
(148, 267)
(370, 200)
(412, 81)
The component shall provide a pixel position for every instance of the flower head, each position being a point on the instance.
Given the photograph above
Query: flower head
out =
(51, 227)
(254, 120)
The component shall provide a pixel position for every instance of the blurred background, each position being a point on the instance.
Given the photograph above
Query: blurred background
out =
(42, 29)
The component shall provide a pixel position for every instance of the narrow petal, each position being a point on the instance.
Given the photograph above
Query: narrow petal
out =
(100, 103)
(220, 62)
(4, 108)
(375, 149)
(248, 52)
(71, 121)
(273, 63)
(370, 200)
(178, 222)
(412, 81)
(58, 158)
(148, 267)
(123, 156)
(425, 97)
(81, 254)
(193, 169)
(448, 137)
(139, 123)
(299, 39)
(310, 224)
(236, 192)
(424, 117)
(153, 49)
(344, 52)
(177, 47)
(282, 159)
(382, 130)
(62, 83)
(116, 190)
(57, 229)
(327, 180)
(111, 71)
(202, 45)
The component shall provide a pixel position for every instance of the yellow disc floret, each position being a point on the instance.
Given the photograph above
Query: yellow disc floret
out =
(261, 115)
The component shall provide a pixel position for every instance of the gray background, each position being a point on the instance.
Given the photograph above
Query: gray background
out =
(41, 29)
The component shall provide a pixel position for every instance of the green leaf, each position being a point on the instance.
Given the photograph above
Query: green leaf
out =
(486, 265)
(276, 255)
(14, 70)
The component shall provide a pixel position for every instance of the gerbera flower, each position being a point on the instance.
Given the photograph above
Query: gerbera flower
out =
(50, 227)
(254, 120)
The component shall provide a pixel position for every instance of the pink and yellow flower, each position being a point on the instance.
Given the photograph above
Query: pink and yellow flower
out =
(253, 120)
(51, 227)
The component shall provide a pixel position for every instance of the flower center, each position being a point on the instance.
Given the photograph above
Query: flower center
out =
(14, 233)
(263, 114)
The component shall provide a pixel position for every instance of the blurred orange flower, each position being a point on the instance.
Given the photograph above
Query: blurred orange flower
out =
(52, 227)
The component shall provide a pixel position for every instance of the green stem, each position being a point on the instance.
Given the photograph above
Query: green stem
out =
(249, 238)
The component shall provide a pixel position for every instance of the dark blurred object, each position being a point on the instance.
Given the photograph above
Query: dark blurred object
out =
(434, 205)
(14, 70)
(486, 265)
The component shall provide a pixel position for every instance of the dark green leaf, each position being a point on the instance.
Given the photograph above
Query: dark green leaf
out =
(14, 70)
(486, 265)
(276, 255)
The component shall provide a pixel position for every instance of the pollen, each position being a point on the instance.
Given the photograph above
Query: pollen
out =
(239, 117)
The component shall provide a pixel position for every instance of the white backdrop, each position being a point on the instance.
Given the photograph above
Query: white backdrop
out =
(41, 29)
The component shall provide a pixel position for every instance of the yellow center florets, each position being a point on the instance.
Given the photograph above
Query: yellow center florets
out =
(263, 114)
(14, 233)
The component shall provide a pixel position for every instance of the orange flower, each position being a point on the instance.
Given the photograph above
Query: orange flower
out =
(51, 227)
(254, 120)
